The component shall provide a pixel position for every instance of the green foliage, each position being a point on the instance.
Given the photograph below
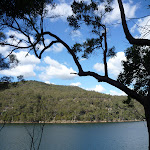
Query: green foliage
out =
(136, 69)
(13, 61)
(111, 52)
(32, 101)
(26, 12)
(6, 79)
(2, 36)
(77, 48)
(3, 63)
(83, 12)
(20, 78)
(89, 15)
(90, 45)
(19, 8)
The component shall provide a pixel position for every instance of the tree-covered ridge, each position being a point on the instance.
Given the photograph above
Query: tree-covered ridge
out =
(32, 101)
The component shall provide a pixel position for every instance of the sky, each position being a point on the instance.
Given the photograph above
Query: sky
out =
(57, 65)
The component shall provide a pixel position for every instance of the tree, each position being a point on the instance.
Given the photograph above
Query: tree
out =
(84, 13)
(6, 64)
(135, 68)
(20, 78)
(139, 85)
(9, 12)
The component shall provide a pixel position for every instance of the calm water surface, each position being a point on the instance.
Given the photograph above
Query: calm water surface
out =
(97, 136)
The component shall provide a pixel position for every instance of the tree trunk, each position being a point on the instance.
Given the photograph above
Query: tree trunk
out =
(147, 115)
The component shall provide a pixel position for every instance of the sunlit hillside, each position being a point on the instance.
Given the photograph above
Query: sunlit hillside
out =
(33, 101)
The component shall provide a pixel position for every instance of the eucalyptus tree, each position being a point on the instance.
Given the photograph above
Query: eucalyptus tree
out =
(135, 78)
(10, 11)
(31, 27)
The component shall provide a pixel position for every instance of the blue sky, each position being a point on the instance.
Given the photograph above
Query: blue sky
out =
(57, 64)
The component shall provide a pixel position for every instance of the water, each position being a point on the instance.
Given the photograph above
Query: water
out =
(97, 136)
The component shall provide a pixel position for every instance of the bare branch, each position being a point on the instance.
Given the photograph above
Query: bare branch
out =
(46, 47)
(31, 22)
(105, 53)
(115, 83)
(129, 37)
(68, 48)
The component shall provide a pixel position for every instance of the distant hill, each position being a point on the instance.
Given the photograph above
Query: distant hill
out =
(33, 101)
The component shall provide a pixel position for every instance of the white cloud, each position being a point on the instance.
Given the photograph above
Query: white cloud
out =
(114, 15)
(25, 60)
(56, 70)
(17, 37)
(75, 34)
(99, 67)
(58, 47)
(25, 67)
(62, 10)
(25, 70)
(47, 41)
(48, 82)
(142, 26)
(114, 64)
(16, 34)
(98, 88)
(121, 93)
(4, 50)
(76, 84)
(83, 59)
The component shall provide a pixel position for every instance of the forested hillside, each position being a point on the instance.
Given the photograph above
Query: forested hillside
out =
(32, 101)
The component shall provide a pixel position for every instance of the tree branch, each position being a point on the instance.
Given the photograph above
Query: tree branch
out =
(68, 48)
(100, 78)
(129, 37)
(31, 22)
(46, 47)
(115, 83)
(105, 53)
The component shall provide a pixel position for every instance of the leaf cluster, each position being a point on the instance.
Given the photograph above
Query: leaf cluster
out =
(136, 69)
(84, 13)
(89, 46)
(3, 63)
(19, 8)
(87, 14)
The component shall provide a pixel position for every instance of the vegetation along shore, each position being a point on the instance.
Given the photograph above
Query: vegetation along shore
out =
(32, 101)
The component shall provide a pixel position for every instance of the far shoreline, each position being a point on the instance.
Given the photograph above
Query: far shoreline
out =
(68, 122)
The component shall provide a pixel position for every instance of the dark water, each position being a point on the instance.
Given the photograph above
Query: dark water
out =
(98, 136)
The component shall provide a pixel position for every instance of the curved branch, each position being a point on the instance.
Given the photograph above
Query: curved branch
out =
(100, 78)
(68, 48)
(129, 37)
(115, 83)
(46, 47)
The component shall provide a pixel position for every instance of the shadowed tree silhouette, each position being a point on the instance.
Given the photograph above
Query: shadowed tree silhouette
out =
(84, 13)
